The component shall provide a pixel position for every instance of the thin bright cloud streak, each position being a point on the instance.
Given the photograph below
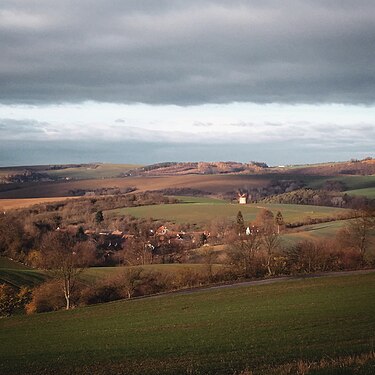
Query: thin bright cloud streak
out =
(101, 119)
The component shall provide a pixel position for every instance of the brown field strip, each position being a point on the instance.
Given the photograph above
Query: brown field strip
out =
(9, 204)
(209, 183)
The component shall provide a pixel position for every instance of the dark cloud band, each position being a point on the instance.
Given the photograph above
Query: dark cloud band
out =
(187, 52)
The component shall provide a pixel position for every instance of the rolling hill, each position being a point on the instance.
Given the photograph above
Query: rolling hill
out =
(265, 329)
(202, 213)
(18, 275)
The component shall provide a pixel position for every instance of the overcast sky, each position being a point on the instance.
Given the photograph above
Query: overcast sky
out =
(279, 81)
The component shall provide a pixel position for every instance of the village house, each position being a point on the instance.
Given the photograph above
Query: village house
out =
(162, 230)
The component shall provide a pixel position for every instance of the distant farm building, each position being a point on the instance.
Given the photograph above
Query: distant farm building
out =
(242, 198)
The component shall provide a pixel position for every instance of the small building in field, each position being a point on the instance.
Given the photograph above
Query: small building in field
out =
(242, 198)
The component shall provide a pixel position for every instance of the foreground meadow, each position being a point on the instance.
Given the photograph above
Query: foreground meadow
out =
(218, 331)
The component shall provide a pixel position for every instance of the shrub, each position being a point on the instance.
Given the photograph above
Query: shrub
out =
(8, 300)
(152, 282)
(321, 256)
(12, 300)
(103, 291)
(49, 297)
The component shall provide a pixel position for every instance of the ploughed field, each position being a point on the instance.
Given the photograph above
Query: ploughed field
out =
(10, 204)
(220, 183)
(219, 331)
(209, 183)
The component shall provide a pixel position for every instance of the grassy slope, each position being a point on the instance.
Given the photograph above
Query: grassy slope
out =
(352, 182)
(209, 332)
(316, 231)
(186, 199)
(203, 212)
(366, 192)
(356, 185)
(20, 278)
(87, 172)
(102, 170)
(16, 274)
(8, 263)
(358, 182)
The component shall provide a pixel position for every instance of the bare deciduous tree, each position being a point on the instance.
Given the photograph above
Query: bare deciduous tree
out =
(243, 251)
(129, 279)
(356, 234)
(271, 243)
(65, 259)
(209, 257)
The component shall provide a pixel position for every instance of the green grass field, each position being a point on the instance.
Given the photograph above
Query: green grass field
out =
(316, 231)
(100, 170)
(352, 182)
(186, 199)
(19, 278)
(220, 331)
(8, 263)
(88, 172)
(358, 182)
(201, 213)
(366, 192)
(18, 275)
(317, 182)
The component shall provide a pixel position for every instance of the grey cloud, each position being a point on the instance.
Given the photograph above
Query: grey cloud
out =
(23, 129)
(187, 52)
